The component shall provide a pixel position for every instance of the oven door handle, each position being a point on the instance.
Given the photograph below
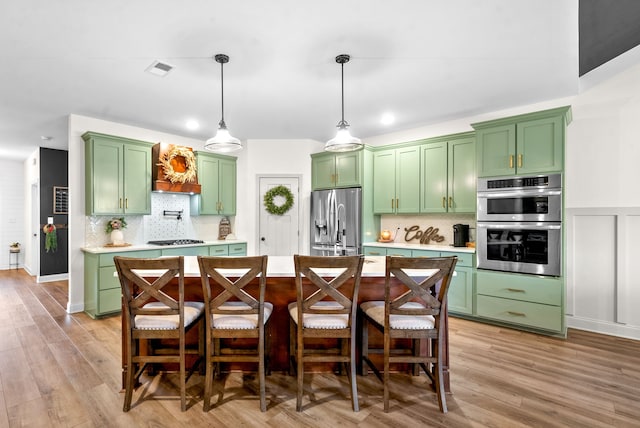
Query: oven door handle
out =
(521, 226)
(519, 193)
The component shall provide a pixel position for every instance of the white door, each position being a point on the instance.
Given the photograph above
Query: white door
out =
(278, 235)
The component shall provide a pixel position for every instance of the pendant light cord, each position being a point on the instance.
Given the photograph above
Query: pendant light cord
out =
(342, 83)
(222, 91)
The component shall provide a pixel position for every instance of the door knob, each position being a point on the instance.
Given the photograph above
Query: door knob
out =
(262, 239)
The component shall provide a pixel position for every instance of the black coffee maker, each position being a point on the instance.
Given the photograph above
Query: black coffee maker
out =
(460, 235)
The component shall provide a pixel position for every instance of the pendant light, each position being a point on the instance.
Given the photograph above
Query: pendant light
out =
(343, 141)
(223, 142)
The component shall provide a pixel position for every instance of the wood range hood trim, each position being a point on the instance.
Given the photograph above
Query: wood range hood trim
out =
(159, 181)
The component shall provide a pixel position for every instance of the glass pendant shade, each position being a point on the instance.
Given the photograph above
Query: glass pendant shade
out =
(223, 141)
(343, 141)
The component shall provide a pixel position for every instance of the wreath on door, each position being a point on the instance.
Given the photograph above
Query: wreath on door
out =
(270, 205)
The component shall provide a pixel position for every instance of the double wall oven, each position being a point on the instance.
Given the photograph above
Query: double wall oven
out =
(520, 224)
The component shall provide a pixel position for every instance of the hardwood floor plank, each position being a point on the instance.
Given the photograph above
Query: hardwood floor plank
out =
(59, 369)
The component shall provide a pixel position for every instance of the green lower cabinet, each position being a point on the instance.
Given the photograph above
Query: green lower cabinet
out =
(525, 300)
(102, 295)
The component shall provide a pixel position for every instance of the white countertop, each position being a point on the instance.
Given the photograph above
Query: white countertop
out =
(145, 247)
(408, 246)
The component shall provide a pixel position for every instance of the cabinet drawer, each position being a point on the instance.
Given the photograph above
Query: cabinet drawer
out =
(109, 301)
(186, 251)
(237, 249)
(517, 312)
(425, 253)
(108, 279)
(528, 288)
(402, 252)
(219, 250)
(464, 259)
(374, 251)
(107, 258)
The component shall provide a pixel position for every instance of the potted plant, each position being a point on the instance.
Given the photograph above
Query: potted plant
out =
(14, 247)
(114, 227)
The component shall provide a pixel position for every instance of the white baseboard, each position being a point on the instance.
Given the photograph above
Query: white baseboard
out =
(51, 278)
(612, 329)
(76, 307)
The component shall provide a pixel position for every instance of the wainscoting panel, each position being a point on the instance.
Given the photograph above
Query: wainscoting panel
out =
(603, 270)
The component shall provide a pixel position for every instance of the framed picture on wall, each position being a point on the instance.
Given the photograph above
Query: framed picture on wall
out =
(60, 200)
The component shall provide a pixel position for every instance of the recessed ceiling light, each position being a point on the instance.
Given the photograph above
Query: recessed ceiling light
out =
(46, 138)
(387, 119)
(159, 68)
(192, 124)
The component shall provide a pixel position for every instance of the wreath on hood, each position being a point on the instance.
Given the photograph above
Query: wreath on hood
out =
(270, 205)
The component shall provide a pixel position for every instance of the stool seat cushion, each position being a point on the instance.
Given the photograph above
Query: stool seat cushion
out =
(192, 310)
(375, 311)
(330, 321)
(242, 321)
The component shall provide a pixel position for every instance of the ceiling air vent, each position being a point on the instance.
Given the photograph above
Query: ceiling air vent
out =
(159, 68)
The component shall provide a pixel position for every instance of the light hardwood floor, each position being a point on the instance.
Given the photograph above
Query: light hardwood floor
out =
(61, 370)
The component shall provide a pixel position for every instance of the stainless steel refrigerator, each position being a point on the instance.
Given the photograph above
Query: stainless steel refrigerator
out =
(336, 218)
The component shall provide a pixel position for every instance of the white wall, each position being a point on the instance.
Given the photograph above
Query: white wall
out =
(31, 192)
(273, 157)
(12, 209)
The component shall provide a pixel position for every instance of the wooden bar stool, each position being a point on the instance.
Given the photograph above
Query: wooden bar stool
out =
(233, 313)
(325, 309)
(414, 314)
(150, 313)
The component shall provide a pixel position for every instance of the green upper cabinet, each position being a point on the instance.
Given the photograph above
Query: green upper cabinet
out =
(448, 175)
(396, 180)
(332, 170)
(217, 176)
(526, 144)
(118, 175)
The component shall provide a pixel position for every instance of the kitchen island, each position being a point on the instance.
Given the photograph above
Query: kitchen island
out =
(281, 291)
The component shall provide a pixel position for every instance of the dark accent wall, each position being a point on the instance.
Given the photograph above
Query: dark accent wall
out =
(607, 28)
(53, 172)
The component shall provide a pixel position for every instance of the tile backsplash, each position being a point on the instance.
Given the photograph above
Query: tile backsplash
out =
(443, 222)
(157, 226)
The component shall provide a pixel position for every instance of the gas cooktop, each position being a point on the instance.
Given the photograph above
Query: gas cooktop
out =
(176, 242)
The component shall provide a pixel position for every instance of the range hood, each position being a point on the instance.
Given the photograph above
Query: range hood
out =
(174, 169)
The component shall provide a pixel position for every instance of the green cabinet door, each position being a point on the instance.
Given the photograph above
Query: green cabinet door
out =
(460, 295)
(407, 174)
(208, 176)
(461, 176)
(105, 161)
(384, 186)
(217, 177)
(323, 171)
(540, 146)
(227, 188)
(434, 178)
(137, 179)
(496, 151)
(347, 169)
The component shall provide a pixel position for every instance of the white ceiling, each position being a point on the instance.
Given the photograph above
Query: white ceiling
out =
(425, 61)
